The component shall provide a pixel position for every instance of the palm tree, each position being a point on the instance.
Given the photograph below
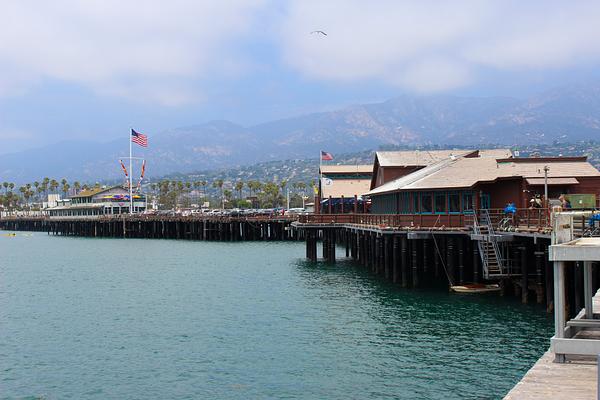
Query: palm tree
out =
(219, 184)
(53, 185)
(65, 188)
(76, 186)
(5, 184)
(203, 184)
(11, 186)
(239, 185)
(227, 195)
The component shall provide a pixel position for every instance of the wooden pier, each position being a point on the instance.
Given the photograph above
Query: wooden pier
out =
(548, 380)
(419, 250)
(160, 227)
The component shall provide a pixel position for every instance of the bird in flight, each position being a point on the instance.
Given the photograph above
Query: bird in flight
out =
(319, 32)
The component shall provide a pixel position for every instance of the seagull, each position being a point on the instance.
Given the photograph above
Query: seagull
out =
(321, 32)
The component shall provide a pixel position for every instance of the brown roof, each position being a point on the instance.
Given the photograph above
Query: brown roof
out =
(337, 188)
(347, 169)
(552, 181)
(93, 191)
(421, 158)
(466, 172)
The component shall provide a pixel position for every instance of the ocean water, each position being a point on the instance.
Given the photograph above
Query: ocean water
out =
(161, 319)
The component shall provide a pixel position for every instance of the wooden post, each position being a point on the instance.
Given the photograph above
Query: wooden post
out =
(386, 256)
(395, 259)
(539, 281)
(450, 257)
(404, 261)
(475, 262)
(461, 261)
(524, 283)
(414, 245)
(549, 282)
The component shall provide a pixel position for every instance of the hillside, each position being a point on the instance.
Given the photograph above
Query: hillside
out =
(566, 114)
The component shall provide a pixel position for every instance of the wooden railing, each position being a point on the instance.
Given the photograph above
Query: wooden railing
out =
(389, 220)
(533, 219)
(147, 217)
(524, 218)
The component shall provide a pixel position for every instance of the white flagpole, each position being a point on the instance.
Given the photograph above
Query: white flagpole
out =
(320, 187)
(130, 175)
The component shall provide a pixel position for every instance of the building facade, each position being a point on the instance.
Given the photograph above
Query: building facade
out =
(96, 202)
(342, 186)
(460, 184)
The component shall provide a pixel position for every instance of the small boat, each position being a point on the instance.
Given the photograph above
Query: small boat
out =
(9, 234)
(475, 288)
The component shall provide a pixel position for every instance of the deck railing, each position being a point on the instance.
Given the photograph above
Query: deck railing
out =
(531, 219)
(388, 220)
(147, 217)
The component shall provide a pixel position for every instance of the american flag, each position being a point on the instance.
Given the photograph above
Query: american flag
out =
(139, 138)
(325, 156)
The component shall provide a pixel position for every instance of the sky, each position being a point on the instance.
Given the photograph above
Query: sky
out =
(90, 69)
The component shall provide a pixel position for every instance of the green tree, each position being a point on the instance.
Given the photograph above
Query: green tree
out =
(219, 184)
(53, 185)
(239, 185)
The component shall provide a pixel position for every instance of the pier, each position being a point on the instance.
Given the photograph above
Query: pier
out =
(160, 227)
(418, 250)
(569, 370)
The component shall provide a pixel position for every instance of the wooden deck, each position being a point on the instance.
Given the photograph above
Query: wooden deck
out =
(547, 380)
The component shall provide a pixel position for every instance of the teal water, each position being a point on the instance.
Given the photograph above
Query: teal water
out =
(161, 319)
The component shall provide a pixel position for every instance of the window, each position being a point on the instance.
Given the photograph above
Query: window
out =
(468, 203)
(440, 203)
(453, 203)
(426, 203)
(416, 209)
(404, 203)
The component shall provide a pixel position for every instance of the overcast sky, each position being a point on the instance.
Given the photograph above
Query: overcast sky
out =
(92, 68)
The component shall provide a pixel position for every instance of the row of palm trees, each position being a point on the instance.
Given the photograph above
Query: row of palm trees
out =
(174, 193)
(170, 192)
(36, 191)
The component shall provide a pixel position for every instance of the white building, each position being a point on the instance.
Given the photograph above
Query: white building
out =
(94, 202)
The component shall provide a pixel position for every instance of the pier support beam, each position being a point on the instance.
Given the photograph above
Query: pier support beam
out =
(524, 281)
(414, 245)
(404, 261)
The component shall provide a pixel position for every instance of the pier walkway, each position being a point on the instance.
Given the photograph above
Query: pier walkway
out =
(547, 380)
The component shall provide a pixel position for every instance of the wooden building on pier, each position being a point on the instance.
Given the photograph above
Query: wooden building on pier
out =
(462, 183)
(342, 187)
(391, 165)
(95, 202)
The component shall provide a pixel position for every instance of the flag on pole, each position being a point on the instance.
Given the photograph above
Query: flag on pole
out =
(139, 138)
(325, 156)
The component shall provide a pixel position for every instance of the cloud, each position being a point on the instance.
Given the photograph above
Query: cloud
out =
(120, 47)
(429, 46)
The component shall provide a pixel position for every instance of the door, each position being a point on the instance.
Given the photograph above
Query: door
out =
(485, 201)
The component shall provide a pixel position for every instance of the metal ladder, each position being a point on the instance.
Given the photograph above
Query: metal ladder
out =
(495, 264)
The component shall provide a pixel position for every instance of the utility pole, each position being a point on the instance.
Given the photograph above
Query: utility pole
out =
(546, 169)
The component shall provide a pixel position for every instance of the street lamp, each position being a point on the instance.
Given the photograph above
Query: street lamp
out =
(546, 169)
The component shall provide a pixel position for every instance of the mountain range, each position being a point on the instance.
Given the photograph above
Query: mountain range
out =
(563, 114)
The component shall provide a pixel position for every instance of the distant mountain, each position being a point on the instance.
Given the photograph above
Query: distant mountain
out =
(565, 114)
